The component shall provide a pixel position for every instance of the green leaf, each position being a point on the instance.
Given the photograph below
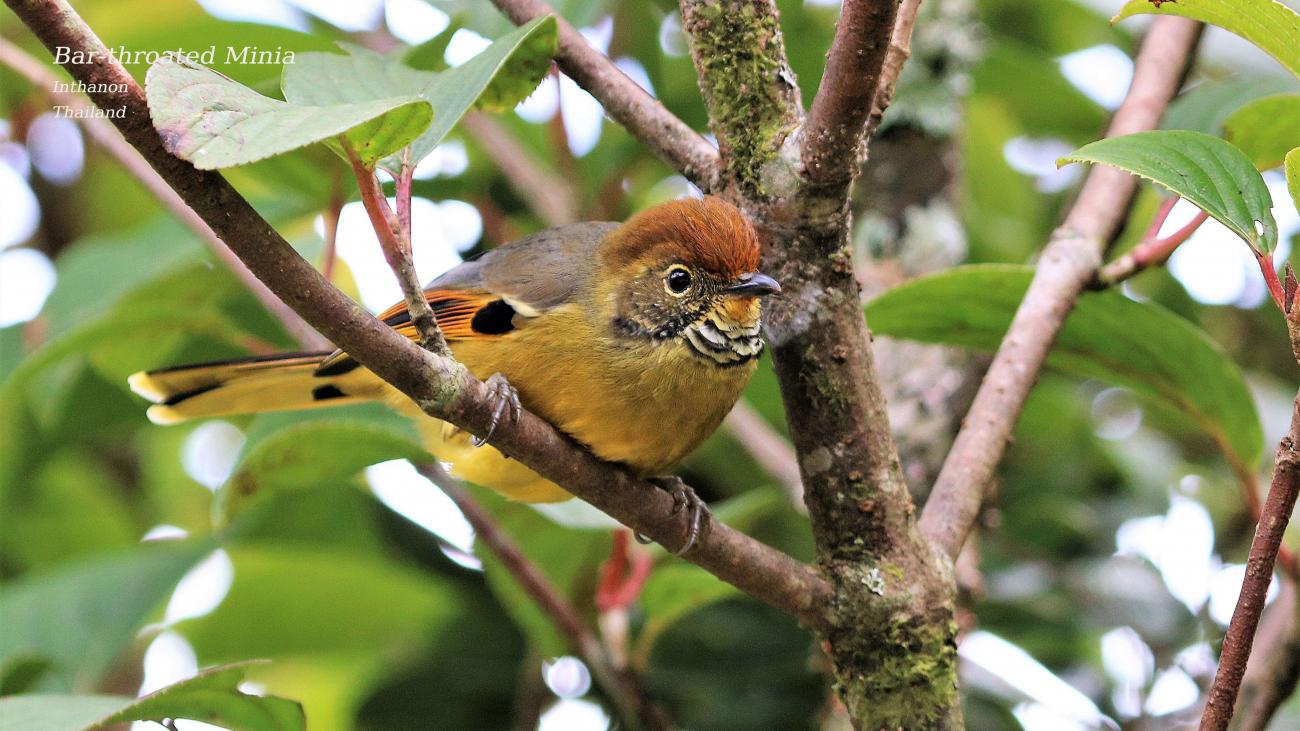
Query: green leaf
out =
(81, 616)
(673, 591)
(1267, 23)
(212, 696)
(113, 265)
(335, 623)
(497, 79)
(718, 670)
(1208, 172)
(1203, 107)
(1266, 128)
(1293, 176)
(1137, 345)
(293, 450)
(216, 122)
(305, 600)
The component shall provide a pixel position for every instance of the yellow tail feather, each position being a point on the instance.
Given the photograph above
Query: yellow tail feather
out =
(250, 386)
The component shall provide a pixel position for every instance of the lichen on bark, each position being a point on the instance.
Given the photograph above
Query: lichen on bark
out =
(746, 82)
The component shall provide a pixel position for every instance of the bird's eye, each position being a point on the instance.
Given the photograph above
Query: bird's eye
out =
(678, 280)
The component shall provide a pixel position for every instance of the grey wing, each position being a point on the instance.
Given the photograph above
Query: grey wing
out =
(537, 272)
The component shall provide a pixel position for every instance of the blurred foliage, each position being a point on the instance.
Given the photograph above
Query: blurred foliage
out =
(372, 622)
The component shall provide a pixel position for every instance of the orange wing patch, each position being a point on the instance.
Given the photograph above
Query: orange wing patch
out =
(462, 314)
(455, 310)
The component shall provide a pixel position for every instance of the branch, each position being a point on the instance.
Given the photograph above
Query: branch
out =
(631, 106)
(834, 130)
(1278, 505)
(1068, 263)
(900, 49)
(110, 141)
(442, 387)
(550, 196)
(621, 687)
(1267, 685)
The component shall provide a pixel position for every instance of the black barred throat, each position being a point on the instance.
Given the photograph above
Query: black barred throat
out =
(724, 342)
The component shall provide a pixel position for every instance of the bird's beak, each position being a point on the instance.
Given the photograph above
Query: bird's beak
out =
(753, 284)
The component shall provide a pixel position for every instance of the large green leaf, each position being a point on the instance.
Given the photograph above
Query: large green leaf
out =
(1267, 23)
(216, 122)
(79, 617)
(212, 696)
(1137, 345)
(1266, 128)
(293, 450)
(504, 74)
(1210, 173)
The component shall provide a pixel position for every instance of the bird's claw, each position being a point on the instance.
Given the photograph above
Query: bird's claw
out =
(503, 394)
(684, 498)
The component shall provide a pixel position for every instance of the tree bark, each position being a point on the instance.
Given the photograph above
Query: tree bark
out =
(891, 636)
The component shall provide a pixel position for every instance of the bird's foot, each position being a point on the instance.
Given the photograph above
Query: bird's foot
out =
(503, 395)
(684, 498)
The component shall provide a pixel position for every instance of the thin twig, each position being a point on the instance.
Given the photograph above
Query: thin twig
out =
(772, 451)
(102, 133)
(837, 120)
(631, 106)
(442, 387)
(622, 687)
(1278, 505)
(550, 196)
(403, 181)
(1067, 265)
(900, 49)
(1151, 251)
(395, 241)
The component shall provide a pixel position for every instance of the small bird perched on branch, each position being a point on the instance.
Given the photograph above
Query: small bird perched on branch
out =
(634, 339)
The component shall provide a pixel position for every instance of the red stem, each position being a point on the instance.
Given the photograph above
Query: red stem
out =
(1150, 253)
(1270, 278)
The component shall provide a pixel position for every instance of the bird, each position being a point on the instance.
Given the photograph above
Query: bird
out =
(634, 339)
